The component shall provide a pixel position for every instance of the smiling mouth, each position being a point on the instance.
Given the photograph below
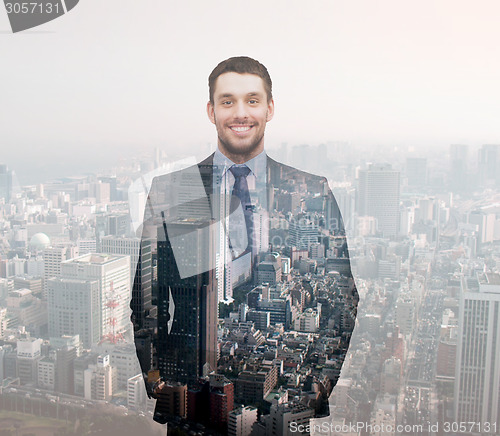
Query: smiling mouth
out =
(240, 129)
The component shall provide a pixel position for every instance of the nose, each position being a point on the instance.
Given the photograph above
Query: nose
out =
(240, 110)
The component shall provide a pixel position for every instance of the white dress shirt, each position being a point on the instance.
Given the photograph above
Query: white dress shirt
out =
(232, 267)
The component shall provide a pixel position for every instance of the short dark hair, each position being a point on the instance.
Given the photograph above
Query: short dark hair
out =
(240, 65)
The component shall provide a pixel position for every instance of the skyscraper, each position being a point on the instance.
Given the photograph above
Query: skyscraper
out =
(303, 233)
(379, 189)
(187, 303)
(52, 259)
(489, 165)
(74, 308)
(6, 183)
(140, 270)
(477, 373)
(459, 160)
(416, 171)
(485, 223)
(91, 298)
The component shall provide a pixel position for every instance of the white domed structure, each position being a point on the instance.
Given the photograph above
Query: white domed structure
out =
(39, 241)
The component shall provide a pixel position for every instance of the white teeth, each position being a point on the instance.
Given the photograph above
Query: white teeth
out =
(240, 129)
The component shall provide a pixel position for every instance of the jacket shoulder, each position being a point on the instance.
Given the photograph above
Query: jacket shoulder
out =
(280, 172)
(173, 192)
(174, 178)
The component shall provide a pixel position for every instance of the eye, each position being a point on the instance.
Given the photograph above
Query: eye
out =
(253, 101)
(226, 102)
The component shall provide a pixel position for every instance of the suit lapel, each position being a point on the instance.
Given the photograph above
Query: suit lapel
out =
(273, 177)
(207, 177)
(273, 172)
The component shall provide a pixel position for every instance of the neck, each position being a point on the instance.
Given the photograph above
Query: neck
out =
(241, 158)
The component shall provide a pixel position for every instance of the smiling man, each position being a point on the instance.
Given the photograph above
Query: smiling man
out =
(240, 106)
(255, 297)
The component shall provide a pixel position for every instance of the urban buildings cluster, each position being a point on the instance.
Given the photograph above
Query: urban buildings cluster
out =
(423, 235)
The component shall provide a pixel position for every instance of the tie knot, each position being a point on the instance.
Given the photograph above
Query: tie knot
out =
(239, 172)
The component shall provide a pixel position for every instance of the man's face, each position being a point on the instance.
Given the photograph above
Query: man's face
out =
(240, 112)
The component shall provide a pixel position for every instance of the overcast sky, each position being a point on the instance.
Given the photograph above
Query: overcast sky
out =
(112, 75)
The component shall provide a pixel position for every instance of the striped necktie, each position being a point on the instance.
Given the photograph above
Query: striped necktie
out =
(241, 195)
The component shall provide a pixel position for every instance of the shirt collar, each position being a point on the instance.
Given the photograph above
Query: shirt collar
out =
(257, 165)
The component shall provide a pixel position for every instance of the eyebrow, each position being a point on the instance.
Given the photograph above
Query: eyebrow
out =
(250, 94)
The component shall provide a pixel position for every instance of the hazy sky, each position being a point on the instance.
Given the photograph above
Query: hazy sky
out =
(116, 74)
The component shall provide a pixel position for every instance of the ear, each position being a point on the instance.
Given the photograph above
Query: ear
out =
(270, 110)
(211, 112)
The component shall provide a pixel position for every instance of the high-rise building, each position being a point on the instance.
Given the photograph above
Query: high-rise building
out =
(379, 189)
(123, 358)
(303, 233)
(268, 271)
(85, 246)
(9, 361)
(74, 308)
(64, 376)
(6, 183)
(241, 421)
(416, 171)
(98, 380)
(34, 284)
(254, 385)
(485, 223)
(91, 298)
(211, 401)
(316, 250)
(187, 307)
(80, 364)
(46, 373)
(447, 347)
(261, 319)
(136, 394)
(446, 358)
(489, 165)
(3, 321)
(405, 315)
(52, 259)
(477, 373)
(221, 400)
(287, 419)
(28, 356)
(112, 224)
(140, 271)
(172, 401)
(25, 309)
(113, 191)
(308, 321)
(118, 224)
(65, 349)
(459, 160)
(5, 286)
(101, 191)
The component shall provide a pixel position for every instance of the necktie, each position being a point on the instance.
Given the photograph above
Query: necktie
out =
(241, 194)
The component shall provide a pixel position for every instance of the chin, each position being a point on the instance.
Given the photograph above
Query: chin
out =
(241, 149)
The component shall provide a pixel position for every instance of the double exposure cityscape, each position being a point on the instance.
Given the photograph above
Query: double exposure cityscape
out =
(414, 351)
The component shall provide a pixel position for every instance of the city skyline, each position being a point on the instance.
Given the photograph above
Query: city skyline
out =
(385, 73)
(410, 286)
(395, 104)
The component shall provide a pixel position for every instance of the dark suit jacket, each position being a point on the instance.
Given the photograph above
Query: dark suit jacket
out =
(176, 336)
